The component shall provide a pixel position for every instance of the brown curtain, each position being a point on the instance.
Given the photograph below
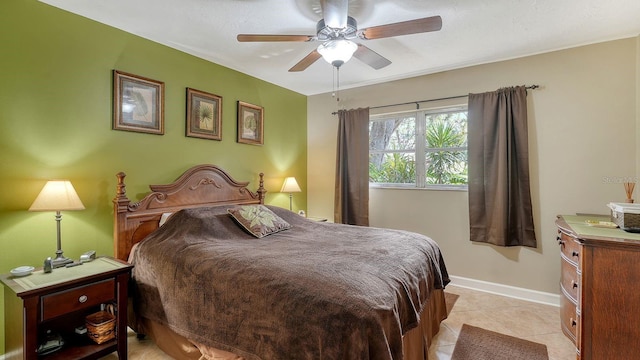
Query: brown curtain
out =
(500, 210)
(352, 170)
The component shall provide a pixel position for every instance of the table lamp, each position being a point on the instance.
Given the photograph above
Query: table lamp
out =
(58, 195)
(290, 186)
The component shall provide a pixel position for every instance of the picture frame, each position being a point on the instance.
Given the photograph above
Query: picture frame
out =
(138, 103)
(204, 115)
(250, 124)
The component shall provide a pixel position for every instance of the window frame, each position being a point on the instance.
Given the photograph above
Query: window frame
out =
(420, 151)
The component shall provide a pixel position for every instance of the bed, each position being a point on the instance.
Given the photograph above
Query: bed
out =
(204, 287)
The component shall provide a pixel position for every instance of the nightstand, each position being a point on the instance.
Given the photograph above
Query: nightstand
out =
(59, 301)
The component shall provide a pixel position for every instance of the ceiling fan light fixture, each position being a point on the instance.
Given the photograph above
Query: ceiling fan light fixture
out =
(337, 52)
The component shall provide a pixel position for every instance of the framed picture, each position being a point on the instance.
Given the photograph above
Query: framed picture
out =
(138, 103)
(204, 115)
(250, 124)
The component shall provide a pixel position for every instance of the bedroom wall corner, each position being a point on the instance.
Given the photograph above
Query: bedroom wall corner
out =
(55, 122)
(637, 113)
(322, 132)
(2, 346)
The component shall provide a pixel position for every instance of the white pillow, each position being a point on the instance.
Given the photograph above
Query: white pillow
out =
(164, 218)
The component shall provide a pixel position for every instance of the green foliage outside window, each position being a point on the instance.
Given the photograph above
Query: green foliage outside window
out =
(396, 169)
(401, 147)
(447, 166)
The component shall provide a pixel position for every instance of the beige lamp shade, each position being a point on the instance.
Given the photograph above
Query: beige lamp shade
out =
(290, 185)
(57, 195)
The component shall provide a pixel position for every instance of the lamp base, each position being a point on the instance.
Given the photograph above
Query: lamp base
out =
(60, 261)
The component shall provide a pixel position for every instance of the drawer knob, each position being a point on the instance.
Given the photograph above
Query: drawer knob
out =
(574, 284)
(573, 322)
(560, 241)
(83, 299)
(574, 254)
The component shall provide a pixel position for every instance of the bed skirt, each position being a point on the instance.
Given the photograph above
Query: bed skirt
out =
(415, 342)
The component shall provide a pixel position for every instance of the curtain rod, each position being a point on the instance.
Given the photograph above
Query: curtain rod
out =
(531, 87)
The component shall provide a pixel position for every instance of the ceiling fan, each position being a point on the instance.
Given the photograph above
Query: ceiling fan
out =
(337, 30)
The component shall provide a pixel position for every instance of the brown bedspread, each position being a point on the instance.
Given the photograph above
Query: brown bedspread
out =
(315, 291)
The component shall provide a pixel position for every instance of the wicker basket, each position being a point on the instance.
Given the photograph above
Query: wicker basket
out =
(101, 326)
(626, 216)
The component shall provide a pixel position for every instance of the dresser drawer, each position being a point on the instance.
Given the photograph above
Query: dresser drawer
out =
(78, 298)
(569, 247)
(569, 279)
(568, 317)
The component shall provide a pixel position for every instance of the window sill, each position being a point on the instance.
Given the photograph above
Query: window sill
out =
(413, 187)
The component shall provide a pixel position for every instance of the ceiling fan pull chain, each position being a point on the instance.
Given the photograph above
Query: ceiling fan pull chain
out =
(338, 84)
(333, 81)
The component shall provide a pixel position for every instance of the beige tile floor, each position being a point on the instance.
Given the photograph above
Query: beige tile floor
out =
(523, 319)
(526, 320)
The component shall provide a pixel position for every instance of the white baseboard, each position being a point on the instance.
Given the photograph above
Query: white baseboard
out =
(506, 290)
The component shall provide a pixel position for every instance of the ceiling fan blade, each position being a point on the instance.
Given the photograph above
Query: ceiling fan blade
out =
(306, 62)
(370, 57)
(335, 13)
(262, 37)
(433, 23)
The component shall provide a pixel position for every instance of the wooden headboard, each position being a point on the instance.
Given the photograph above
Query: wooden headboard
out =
(202, 185)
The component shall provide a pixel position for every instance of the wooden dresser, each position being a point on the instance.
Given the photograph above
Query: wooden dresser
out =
(600, 285)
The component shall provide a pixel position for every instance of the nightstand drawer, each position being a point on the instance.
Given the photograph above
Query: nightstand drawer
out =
(82, 297)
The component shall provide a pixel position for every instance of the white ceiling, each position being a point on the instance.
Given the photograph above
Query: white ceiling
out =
(473, 32)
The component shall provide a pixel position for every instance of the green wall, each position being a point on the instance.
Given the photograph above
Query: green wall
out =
(55, 122)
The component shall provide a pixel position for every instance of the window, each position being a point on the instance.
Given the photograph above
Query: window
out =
(421, 149)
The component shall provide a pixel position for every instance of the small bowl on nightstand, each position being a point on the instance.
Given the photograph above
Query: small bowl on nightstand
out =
(22, 271)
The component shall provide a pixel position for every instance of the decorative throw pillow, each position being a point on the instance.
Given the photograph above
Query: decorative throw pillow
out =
(258, 220)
